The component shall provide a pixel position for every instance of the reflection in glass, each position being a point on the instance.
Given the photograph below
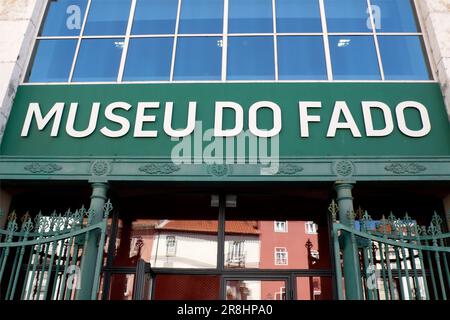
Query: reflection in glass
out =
(301, 58)
(121, 287)
(347, 16)
(246, 16)
(148, 59)
(394, 16)
(403, 58)
(250, 58)
(186, 287)
(314, 288)
(64, 18)
(98, 60)
(198, 58)
(108, 17)
(52, 61)
(354, 58)
(155, 17)
(298, 16)
(201, 16)
(256, 290)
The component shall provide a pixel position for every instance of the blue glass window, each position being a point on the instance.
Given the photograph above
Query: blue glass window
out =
(250, 58)
(403, 58)
(394, 16)
(198, 58)
(301, 58)
(108, 17)
(250, 16)
(52, 61)
(148, 59)
(347, 16)
(98, 60)
(354, 58)
(201, 16)
(298, 16)
(64, 18)
(155, 17)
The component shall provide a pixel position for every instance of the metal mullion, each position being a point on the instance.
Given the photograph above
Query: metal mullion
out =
(269, 34)
(57, 38)
(175, 39)
(326, 43)
(127, 41)
(275, 43)
(375, 38)
(225, 41)
(350, 33)
(221, 233)
(299, 34)
(399, 33)
(80, 36)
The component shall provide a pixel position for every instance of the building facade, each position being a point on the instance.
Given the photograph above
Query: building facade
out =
(215, 134)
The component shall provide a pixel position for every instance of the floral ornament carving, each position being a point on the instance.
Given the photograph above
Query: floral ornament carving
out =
(219, 170)
(333, 208)
(343, 168)
(159, 168)
(107, 208)
(47, 168)
(289, 169)
(405, 168)
(100, 168)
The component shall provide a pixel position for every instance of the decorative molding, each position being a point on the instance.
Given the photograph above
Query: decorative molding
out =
(100, 168)
(289, 169)
(219, 170)
(343, 168)
(47, 168)
(405, 168)
(159, 168)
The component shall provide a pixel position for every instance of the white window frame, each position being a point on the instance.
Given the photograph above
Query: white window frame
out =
(275, 226)
(314, 227)
(276, 252)
(173, 247)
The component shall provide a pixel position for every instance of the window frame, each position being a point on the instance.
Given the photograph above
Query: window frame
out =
(275, 226)
(324, 34)
(283, 250)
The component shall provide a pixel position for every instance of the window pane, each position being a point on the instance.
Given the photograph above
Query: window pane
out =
(155, 17)
(403, 58)
(149, 59)
(250, 58)
(256, 289)
(298, 16)
(354, 58)
(108, 17)
(198, 58)
(347, 16)
(98, 60)
(53, 60)
(396, 16)
(250, 16)
(301, 58)
(314, 288)
(64, 18)
(201, 16)
(186, 287)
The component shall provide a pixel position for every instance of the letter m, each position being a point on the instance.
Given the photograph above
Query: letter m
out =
(35, 111)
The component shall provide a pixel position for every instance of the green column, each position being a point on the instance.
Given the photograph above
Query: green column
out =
(352, 276)
(87, 269)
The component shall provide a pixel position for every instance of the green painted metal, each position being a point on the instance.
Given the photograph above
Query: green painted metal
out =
(36, 259)
(401, 267)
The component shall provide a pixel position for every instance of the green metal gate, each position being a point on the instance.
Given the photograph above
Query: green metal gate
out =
(42, 259)
(390, 259)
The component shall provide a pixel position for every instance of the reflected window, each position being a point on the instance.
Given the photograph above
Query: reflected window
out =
(310, 227)
(171, 246)
(198, 58)
(108, 17)
(98, 60)
(250, 58)
(347, 16)
(354, 58)
(250, 16)
(155, 17)
(52, 61)
(281, 256)
(280, 226)
(298, 16)
(201, 16)
(394, 16)
(314, 288)
(148, 59)
(301, 58)
(255, 289)
(64, 18)
(403, 58)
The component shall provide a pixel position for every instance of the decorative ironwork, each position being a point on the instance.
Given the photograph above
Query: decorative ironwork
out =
(343, 168)
(100, 168)
(219, 170)
(46, 168)
(405, 168)
(289, 169)
(333, 209)
(159, 168)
